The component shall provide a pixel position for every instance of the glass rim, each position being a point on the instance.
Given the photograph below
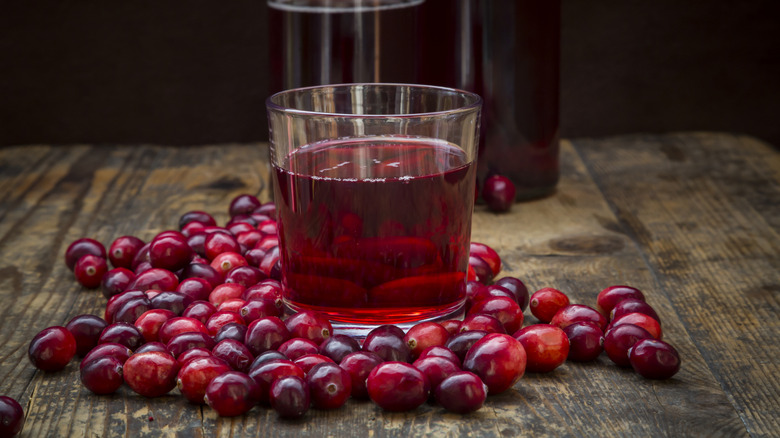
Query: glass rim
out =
(472, 101)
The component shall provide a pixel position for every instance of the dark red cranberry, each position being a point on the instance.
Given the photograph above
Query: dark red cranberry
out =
(546, 302)
(231, 394)
(225, 262)
(155, 278)
(131, 310)
(112, 349)
(81, 247)
(388, 345)
(176, 302)
(329, 385)
(639, 319)
(197, 243)
(118, 301)
(102, 375)
(142, 256)
(234, 353)
(338, 346)
(452, 326)
(609, 297)
(498, 192)
(245, 276)
(488, 291)
(397, 386)
(254, 256)
(546, 347)
(196, 216)
(266, 289)
(585, 339)
(200, 310)
(271, 258)
(461, 343)
(204, 271)
(52, 348)
(196, 374)
(249, 238)
(196, 288)
(423, 335)
(309, 325)
(289, 397)
(218, 243)
(220, 318)
(296, 347)
(191, 354)
(240, 225)
(151, 374)
(518, 288)
(618, 340)
(86, 331)
(182, 342)
(462, 392)
(268, 209)
(122, 333)
(632, 305)
(123, 250)
(140, 269)
(89, 270)
(498, 359)
(243, 204)
(440, 351)
(436, 368)
(654, 359)
(153, 346)
(578, 312)
(504, 309)
(482, 322)
(116, 281)
(482, 270)
(266, 334)
(180, 324)
(170, 250)
(308, 361)
(359, 365)
(193, 229)
(11, 417)
(260, 308)
(488, 254)
(266, 357)
(266, 372)
(231, 330)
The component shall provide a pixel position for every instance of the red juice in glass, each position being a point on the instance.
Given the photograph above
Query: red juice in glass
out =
(375, 230)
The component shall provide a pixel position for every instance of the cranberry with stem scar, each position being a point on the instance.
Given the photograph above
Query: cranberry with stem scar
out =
(89, 270)
(81, 247)
(425, 334)
(309, 325)
(546, 302)
(52, 348)
(329, 385)
(266, 334)
(123, 250)
(482, 322)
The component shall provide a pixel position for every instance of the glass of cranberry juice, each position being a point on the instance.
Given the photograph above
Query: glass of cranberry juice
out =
(374, 187)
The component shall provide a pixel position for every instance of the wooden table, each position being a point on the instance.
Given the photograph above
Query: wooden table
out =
(692, 219)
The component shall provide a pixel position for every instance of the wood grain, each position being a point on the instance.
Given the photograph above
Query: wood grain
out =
(691, 219)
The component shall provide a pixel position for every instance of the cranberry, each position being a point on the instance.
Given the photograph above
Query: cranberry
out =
(194, 229)
(248, 238)
(504, 309)
(481, 269)
(81, 247)
(640, 319)
(452, 326)
(200, 310)
(546, 302)
(176, 302)
(609, 297)
(654, 359)
(245, 276)
(585, 339)
(204, 271)
(436, 368)
(196, 288)
(180, 324)
(190, 355)
(268, 227)
(397, 386)
(578, 312)
(11, 417)
(440, 351)
(170, 250)
(151, 374)
(86, 331)
(388, 345)
(546, 347)
(462, 392)
(460, 343)
(243, 204)
(266, 357)
(196, 216)
(232, 305)
(234, 353)
(153, 346)
(148, 324)
(359, 365)
(123, 250)
(102, 375)
(296, 347)
(182, 342)
(517, 287)
(122, 333)
(131, 310)
(240, 225)
(632, 305)
(289, 397)
(231, 330)
(140, 269)
(118, 301)
(425, 334)
(266, 334)
(218, 243)
(260, 308)
(111, 349)
(255, 256)
(309, 325)
(220, 318)
(618, 340)
(329, 385)
(488, 254)
(498, 359)
(488, 291)
(155, 278)
(339, 346)
(195, 375)
(266, 372)
(142, 256)
(498, 192)
(267, 243)
(52, 348)
(482, 322)
(116, 281)
(268, 209)
(231, 394)
(89, 270)
(226, 261)
(266, 289)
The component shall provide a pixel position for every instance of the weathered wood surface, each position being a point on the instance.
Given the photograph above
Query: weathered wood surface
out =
(691, 219)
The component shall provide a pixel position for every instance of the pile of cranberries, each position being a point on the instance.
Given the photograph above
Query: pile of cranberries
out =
(199, 309)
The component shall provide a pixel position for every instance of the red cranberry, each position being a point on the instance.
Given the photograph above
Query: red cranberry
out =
(245, 276)
(218, 243)
(102, 375)
(81, 247)
(52, 348)
(200, 310)
(268, 227)
(220, 318)
(359, 365)
(180, 324)
(585, 339)
(260, 308)
(654, 359)
(122, 333)
(631, 305)
(297, 347)
(329, 386)
(271, 262)
(86, 331)
(517, 287)
(118, 301)
(155, 278)
(618, 340)
(194, 229)
(89, 270)
(488, 291)
(388, 345)
(462, 342)
(504, 309)
(116, 281)
(440, 351)
(204, 271)
(255, 256)
(266, 357)
(498, 359)
(578, 312)
(436, 369)
(196, 216)
(131, 310)
(462, 392)
(174, 301)
(339, 346)
(226, 261)
(151, 374)
(112, 349)
(498, 192)
(266, 372)
(266, 334)
(231, 330)
(481, 322)
(196, 288)
(240, 225)
(309, 325)
(546, 302)
(123, 250)
(148, 324)
(609, 297)
(234, 353)
(452, 326)
(196, 374)
(243, 204)
(481, 269)
(231, 394)
(425, 334)
(267, 243)
(142, 256)
(190, 355)
(153, 346)
(266, 289)
(11, 417)
(182, 342)
(268, 209)
(232, 305)
(170, 250)
(248, 238)
(397, 386)
(308, 361)
(488, 254)
(640, 319)
(546, 347)
(289, 397)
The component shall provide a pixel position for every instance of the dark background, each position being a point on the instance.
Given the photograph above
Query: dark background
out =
(195, 72)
